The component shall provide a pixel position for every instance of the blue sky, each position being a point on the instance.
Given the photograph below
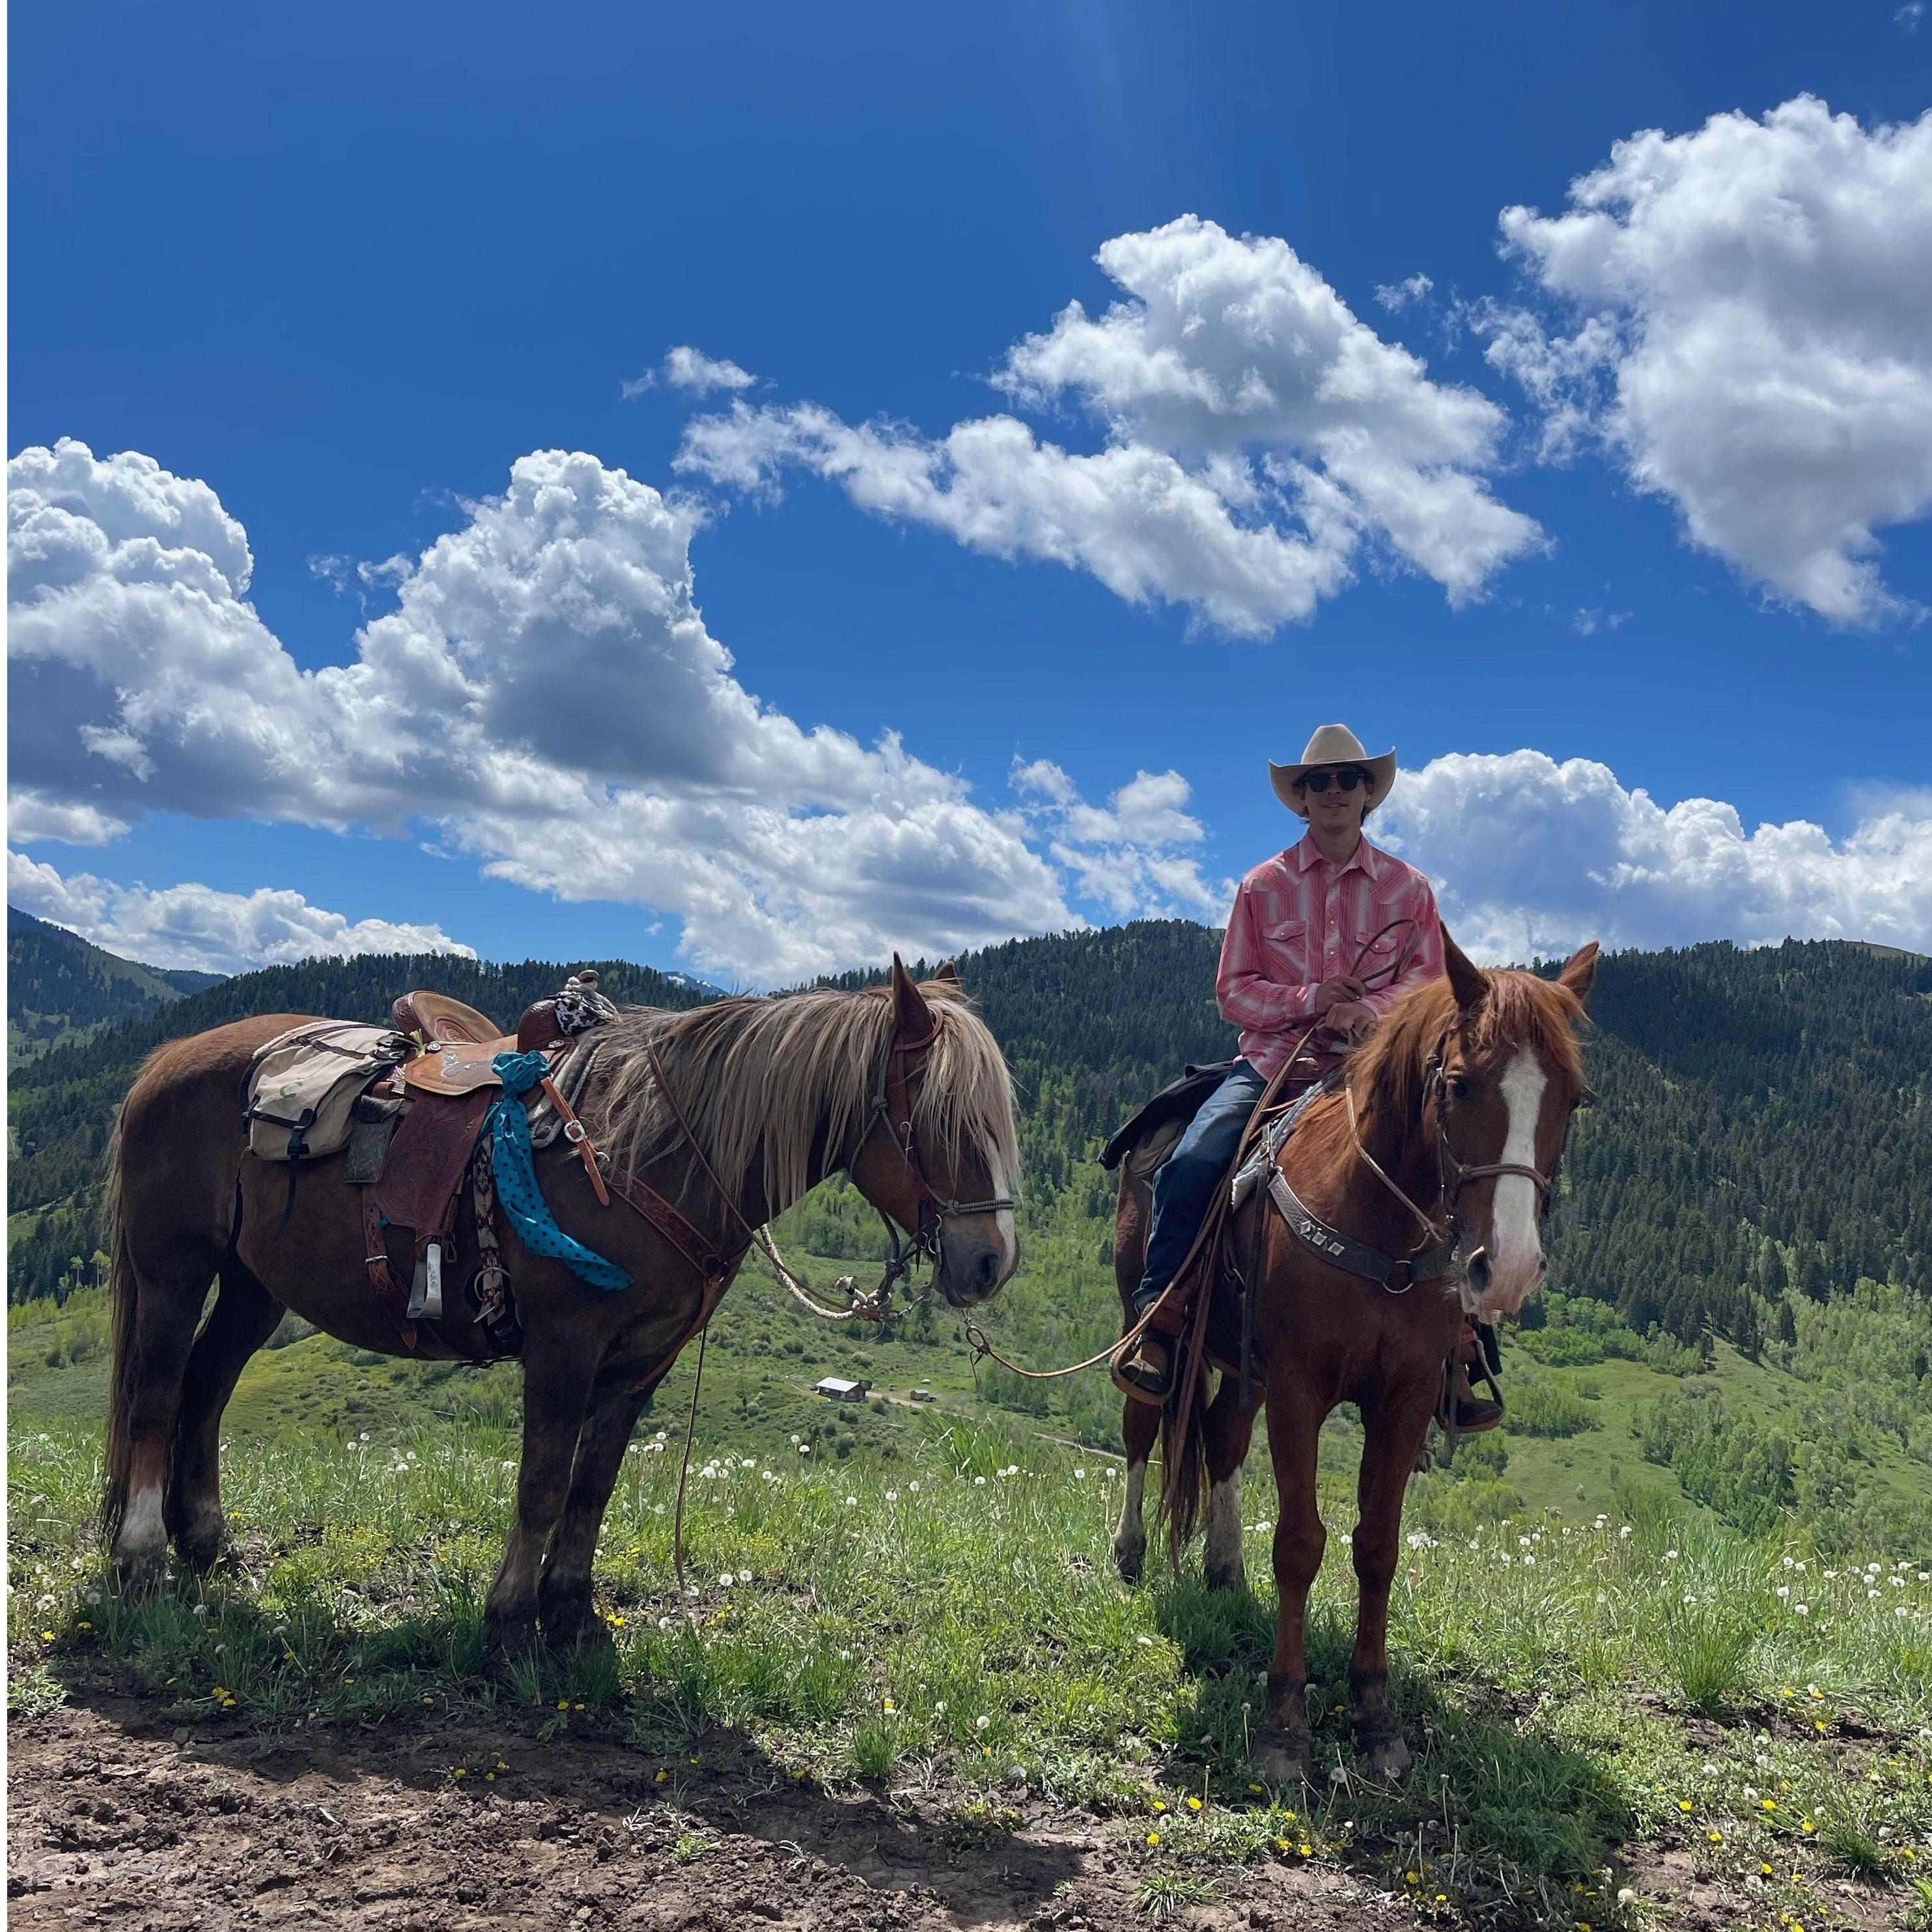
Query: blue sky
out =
(344, 274)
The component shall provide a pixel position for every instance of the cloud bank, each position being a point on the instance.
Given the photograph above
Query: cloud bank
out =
(196, 926)
(1260, 442)
(1749, 318)
(545, 697)
(1531, 857)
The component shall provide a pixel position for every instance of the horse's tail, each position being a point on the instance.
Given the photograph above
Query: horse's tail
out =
(1183, 1453)
(121, 1294)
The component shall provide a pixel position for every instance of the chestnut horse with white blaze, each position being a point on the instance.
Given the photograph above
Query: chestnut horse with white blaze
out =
(766, 1097)
(1445, 1133)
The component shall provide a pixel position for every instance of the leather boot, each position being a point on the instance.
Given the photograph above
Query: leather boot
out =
(1142, 1372)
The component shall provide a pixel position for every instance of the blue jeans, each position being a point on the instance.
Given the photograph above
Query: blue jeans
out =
(1184, 1187)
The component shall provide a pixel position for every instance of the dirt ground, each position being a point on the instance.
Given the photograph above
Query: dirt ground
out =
(118, 1819)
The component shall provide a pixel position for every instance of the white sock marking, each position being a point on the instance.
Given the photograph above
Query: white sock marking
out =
(1221, 1547)
(1131, 1534)
(141, 1526)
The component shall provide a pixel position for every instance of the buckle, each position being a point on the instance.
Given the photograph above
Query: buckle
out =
(573, 1131)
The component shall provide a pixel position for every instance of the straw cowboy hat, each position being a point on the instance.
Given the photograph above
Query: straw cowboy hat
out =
(1334, 745)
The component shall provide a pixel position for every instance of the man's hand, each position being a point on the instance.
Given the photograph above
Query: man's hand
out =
(1351, 1018)
(1344, 986)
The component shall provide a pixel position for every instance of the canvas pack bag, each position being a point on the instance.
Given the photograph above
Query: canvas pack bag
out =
(305, 1083)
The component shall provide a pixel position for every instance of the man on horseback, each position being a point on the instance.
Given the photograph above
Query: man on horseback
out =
(1293, 955)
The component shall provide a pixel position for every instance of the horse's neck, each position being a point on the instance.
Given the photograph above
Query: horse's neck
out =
(1344, 1189)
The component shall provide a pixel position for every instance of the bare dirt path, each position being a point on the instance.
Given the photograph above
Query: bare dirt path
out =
(117, 1819)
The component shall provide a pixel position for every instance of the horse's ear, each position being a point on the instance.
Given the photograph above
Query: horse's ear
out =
(1579, 972)
(945, 974)
(1466, 980)
(913, 1023)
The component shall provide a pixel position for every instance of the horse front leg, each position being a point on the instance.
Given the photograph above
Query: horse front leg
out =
(563, 1596)
(1140, 1430)
(1282, 1748)
(555, 1389)
(1395, 1428)
(1230, 1430)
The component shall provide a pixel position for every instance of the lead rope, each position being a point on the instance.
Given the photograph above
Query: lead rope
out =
(683, 1471)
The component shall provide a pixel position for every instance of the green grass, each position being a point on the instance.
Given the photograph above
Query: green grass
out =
(940, 1609)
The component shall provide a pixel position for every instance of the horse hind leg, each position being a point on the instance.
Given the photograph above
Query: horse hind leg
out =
(563, 1593)
(1230, 1430)
(1140, 1429)
(156, 1310)
(244, 1316)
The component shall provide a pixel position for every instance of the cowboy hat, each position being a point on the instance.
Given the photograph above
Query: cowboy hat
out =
(1334, 745)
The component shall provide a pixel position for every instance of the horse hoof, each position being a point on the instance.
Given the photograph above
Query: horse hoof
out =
(1281, 1760)
(508, 1641)
(1389, 1757)
(1128, 1562)
(143, 1573)
(1228, 1576)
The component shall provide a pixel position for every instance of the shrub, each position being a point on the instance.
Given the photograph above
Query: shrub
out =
(1537, 1407)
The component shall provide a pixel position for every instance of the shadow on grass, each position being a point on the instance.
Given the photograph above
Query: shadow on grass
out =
(1489, 1812)
(651, 1766)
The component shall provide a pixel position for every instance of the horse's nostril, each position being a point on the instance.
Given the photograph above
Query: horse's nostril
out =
(986, 1272)
(1479, 1269)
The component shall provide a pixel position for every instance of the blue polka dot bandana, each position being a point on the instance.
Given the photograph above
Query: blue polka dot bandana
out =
(509, 1126)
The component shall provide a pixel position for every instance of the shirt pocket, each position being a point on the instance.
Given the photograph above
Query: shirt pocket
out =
(1286, 943)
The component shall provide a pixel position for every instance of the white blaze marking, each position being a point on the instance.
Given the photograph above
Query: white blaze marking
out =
(1221, 1548)
(1512, 1219)
(142, 1527)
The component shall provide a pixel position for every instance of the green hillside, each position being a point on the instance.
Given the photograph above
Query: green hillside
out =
(1731, 1318)
(60, 987)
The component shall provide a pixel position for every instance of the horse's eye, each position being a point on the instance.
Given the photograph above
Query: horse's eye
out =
(1459, 1087)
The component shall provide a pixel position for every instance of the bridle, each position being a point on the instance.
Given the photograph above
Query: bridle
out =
(891, 1109)
(1452, 1175)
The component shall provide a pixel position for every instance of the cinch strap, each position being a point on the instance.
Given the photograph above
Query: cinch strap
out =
(516, 1189)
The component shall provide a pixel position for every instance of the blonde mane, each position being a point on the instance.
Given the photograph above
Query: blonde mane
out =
(766, 1083)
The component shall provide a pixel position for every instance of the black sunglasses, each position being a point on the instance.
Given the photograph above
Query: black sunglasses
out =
(1317, 781)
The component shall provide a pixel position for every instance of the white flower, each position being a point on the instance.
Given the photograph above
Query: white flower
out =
(1803, 1610)
(1670, 1556)
(892, 1495)
(912, 1488)
(1784, 1589)
(851, 1502)
(805, 1448)
(979, 1724)
(1080, 1475)
(1626, 1531)
(979, 1482)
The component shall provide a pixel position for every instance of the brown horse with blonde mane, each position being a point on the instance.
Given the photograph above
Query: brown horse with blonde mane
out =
(767, 1097)
(1442, 1139)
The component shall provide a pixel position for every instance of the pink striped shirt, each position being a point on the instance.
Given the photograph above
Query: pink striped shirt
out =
(1297, 920)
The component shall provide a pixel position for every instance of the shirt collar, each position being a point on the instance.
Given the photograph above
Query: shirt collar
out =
(1305, 853)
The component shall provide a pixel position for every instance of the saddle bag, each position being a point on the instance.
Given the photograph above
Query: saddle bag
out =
(300, 1096)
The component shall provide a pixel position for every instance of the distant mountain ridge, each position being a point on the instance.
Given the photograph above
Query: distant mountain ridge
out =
(59, 985)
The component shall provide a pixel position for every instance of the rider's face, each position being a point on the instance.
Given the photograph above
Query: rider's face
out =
(1334, 811)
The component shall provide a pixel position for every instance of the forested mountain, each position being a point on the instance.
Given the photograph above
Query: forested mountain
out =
(58, 984)
(1763, 1119)
(61, 1106)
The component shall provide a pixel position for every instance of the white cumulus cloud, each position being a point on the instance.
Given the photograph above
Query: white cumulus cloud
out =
(1747, 325)
(196, 926)
(1532, 857)
(1259, 439)
(544, 696)
(1131, 856)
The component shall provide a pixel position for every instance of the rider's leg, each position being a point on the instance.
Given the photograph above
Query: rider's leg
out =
(1185, 1185)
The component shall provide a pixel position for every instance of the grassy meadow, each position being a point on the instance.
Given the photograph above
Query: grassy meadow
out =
(1612, 1696)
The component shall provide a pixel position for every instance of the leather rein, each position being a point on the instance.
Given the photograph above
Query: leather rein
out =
(1433, 1260)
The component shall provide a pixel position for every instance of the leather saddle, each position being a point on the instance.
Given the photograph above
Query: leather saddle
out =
(428, 1127)
(458, 1043)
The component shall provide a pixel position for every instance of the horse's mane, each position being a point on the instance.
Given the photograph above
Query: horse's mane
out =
(763, 1081)
(1388, 1072)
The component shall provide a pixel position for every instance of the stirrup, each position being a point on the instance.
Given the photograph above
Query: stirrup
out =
(1135, 1390)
